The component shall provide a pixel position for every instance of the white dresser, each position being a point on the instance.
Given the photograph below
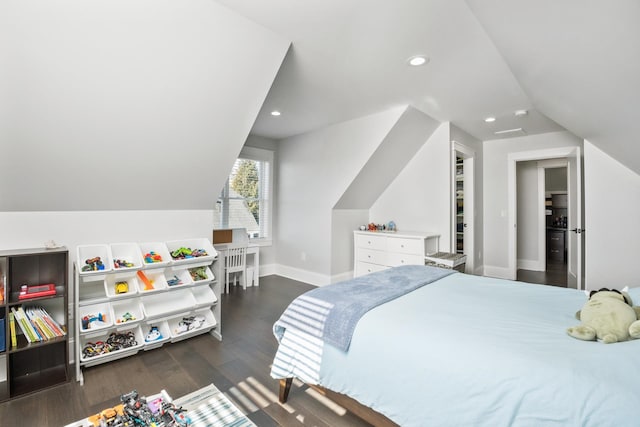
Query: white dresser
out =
(375, 250)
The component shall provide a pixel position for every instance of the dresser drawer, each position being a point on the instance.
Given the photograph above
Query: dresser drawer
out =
(372, 256)
(363, 268)
(371, 242)
(396, 259)
(405, 246)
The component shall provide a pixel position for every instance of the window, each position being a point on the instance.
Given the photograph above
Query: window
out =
(245, 200)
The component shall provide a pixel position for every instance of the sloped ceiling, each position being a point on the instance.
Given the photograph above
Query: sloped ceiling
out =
(573, 64)
(122, 105)
(578, 62)
(402, 142)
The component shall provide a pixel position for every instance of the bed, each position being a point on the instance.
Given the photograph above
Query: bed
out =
(468, 350)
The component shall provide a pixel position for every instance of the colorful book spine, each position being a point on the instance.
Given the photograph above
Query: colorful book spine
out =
(55, 326)
(24, 324)
(12, 330)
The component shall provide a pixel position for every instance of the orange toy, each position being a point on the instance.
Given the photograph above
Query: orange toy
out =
(148, 284)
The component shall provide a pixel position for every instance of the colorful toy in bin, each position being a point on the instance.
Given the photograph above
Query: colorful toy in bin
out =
(115, 342)
(93, 321)
(198, 273)
(93, 264)
(122, 263)
(122, 287)
(189, 323)
(187, 253)
(175, 280)
(148, 284)
(154, 334)
(126, 317)
(151, 257)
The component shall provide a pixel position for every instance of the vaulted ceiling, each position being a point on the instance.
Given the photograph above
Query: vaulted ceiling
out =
(572, 64)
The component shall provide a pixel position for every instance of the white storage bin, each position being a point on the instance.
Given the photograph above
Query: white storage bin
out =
(86, 253)
(86, 360)
(113, 288)
(155, 277)
(204, 296)
(193, 245)
(180, 330)
(166, 304)
(128, 253)
(177, 277)
(150, 253)
(126, 312)
(200, 274)
(95, 317)
(162, 328)
(92, 288)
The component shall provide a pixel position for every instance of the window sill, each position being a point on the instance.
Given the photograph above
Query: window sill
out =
(260, 242)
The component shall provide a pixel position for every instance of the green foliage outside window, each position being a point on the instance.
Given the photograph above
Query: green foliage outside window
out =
(245, 183)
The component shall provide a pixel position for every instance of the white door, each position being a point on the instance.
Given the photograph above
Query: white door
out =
(575, 241)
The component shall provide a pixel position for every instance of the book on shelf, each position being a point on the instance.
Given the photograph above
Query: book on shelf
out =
(12, 330)
(36, 324)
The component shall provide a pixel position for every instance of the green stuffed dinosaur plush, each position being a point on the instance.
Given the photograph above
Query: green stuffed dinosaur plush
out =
(607, 316)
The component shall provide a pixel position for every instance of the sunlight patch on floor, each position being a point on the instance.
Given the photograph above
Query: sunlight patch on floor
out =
(326, 402)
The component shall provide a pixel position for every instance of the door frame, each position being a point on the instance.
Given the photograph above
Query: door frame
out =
(543, 165)
(512, 159)
(468, 154)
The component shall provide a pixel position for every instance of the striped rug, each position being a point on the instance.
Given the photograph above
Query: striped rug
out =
(208, 407)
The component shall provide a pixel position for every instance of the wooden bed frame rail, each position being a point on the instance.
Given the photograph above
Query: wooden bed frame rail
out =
(350, 404)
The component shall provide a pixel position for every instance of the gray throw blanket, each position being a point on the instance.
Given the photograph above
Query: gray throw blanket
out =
(332, 312)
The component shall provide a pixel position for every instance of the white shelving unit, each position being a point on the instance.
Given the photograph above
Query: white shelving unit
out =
(136, 307)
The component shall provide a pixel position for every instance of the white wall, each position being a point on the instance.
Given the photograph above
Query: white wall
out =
(314, 170)
(419, 198)
(496, 152)
(32, 229)
(343, 223)
(528, 210)
(612, 236)
(126, 105)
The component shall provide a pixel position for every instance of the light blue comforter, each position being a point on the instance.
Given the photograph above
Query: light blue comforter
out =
(477, 351)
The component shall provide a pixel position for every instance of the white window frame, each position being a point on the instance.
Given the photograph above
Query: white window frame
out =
(265, 192)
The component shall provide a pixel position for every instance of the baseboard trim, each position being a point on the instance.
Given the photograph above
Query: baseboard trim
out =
(306, 276)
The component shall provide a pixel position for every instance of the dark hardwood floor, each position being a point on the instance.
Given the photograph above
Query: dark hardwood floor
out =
(239, 366)
(555, 275)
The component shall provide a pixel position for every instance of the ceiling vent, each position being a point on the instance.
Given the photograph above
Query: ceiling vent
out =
(511, 132)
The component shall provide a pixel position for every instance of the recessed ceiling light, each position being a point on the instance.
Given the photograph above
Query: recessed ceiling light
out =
(275, 113)
(520, 113)
(490, 119)
(417, 60)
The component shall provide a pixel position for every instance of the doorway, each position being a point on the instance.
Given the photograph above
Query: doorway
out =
(463, 214)
(575, 210)
(542, 221)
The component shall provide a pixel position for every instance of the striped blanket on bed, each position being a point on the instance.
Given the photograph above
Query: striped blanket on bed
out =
(330, 314)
